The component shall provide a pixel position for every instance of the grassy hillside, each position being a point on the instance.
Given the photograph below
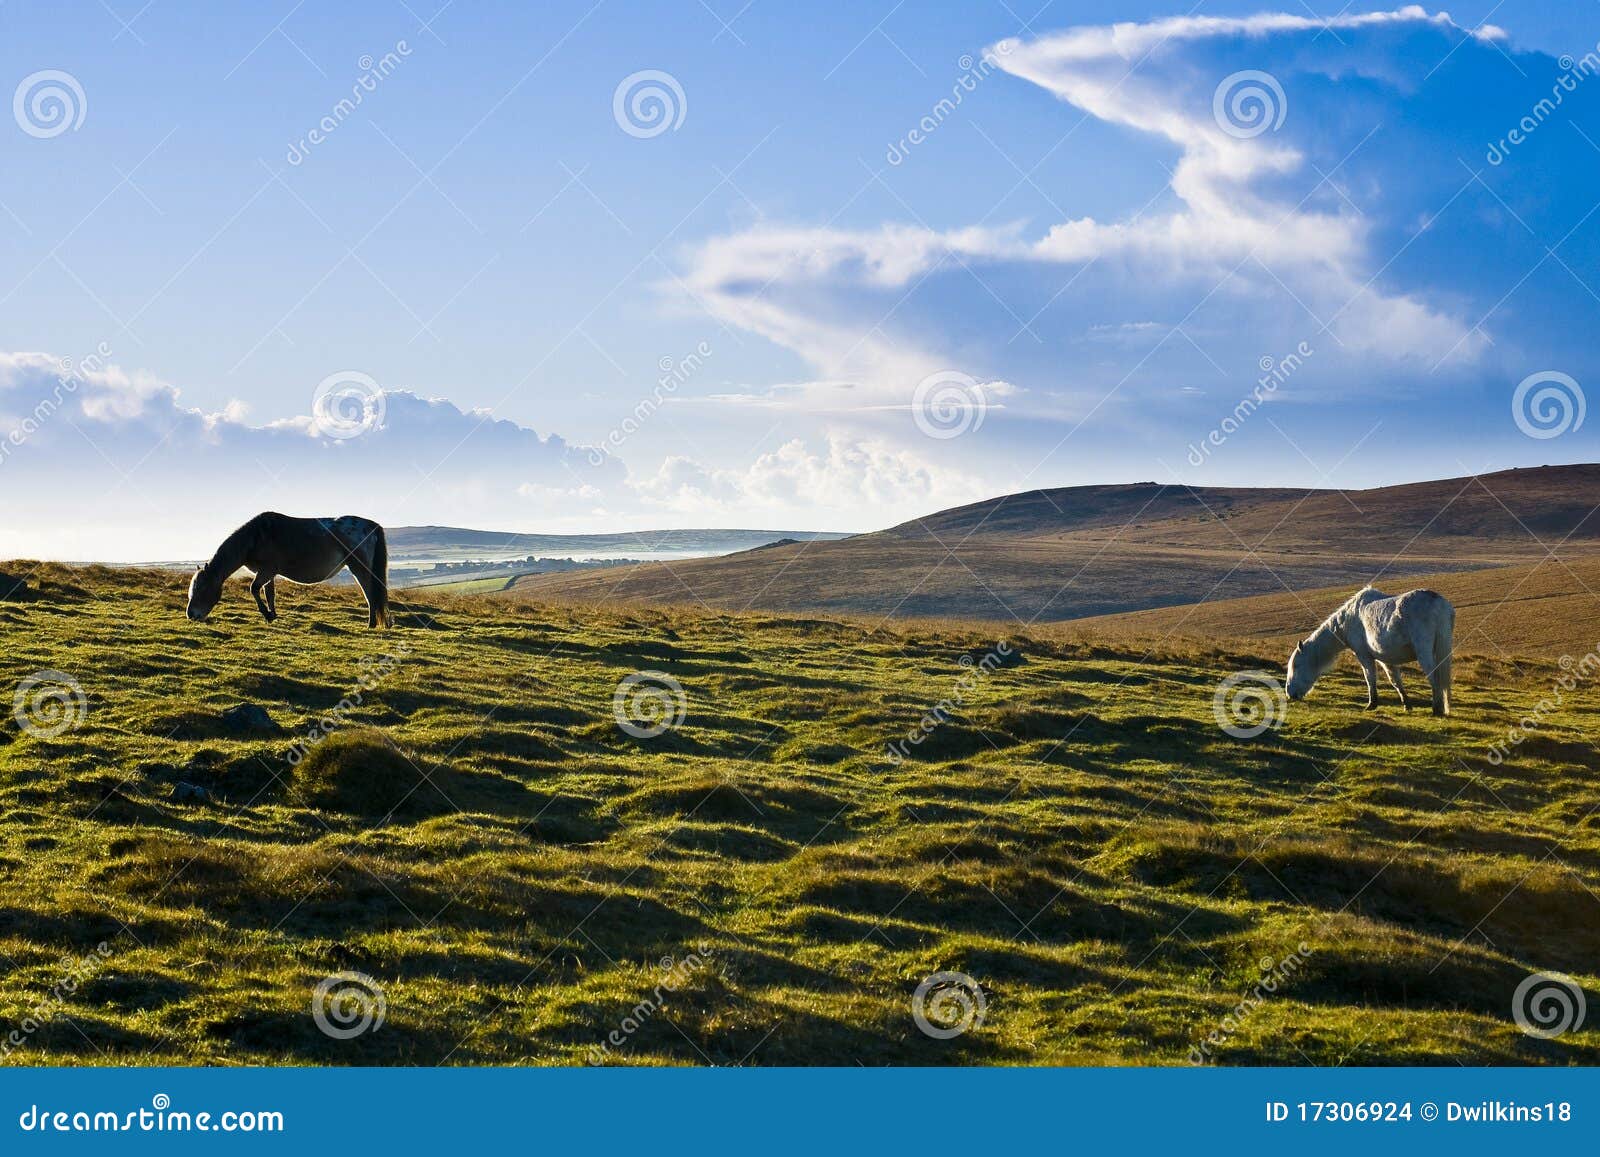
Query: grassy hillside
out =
(1052, 555)
(1550, 609)
(517, 872)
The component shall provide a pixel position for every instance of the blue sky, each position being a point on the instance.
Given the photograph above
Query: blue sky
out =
(1075, 275)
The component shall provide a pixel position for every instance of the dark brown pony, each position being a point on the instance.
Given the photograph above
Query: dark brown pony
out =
(302, 550)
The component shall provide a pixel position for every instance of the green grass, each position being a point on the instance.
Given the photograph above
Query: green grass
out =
(470, 586)
(481, 838)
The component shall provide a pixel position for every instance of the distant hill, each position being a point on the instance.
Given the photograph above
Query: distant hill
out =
(421, 542)
(1066, 553)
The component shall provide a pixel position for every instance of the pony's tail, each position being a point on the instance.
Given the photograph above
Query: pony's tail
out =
(380, 578)
(1445, 646)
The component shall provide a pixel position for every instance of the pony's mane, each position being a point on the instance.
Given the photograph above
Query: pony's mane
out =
(1342, 611)
(232, 548)
(1323, 645)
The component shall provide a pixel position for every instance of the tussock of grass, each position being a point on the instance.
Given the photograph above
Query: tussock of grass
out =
(481, 838)
(363, 773)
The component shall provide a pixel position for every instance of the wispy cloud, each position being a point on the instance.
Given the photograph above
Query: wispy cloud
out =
(1269, 236)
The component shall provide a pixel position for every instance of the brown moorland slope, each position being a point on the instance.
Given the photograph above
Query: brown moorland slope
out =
(1052, 555)
(1550, 609)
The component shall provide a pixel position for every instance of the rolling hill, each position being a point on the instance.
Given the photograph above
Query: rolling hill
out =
(1051, 555)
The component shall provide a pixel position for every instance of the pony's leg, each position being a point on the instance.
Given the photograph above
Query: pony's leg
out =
(1436, 676)
(1369, 671)
(271, 591)
(1393, 671)
(256, 586)
(369, 587)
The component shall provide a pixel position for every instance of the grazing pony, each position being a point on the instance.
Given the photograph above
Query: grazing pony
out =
(302, 550)
(1383, 631)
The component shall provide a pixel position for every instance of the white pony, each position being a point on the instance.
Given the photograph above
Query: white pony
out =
(1383, 631)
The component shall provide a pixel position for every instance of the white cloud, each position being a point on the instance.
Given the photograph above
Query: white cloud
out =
(1263, 237)
(116, 466)
(831, 485)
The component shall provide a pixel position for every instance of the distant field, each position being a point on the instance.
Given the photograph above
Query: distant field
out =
(468, 586)
(426, 542)
(516, 873)
(1549, 609)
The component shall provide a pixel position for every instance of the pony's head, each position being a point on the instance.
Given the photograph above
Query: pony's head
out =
(205, 590)
(1309, 660)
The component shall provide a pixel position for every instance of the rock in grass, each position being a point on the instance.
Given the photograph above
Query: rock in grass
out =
(185, 792)
(249, 718)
